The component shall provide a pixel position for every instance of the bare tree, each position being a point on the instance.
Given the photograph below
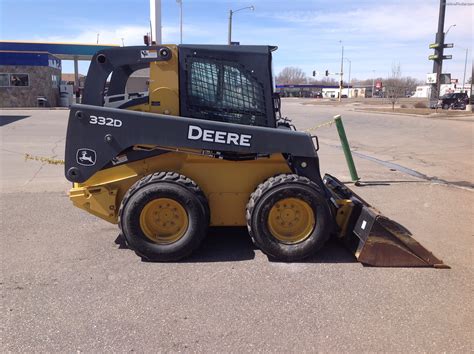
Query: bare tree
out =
(411, 83)
(395, 87)
(323, 81)
(291, 76)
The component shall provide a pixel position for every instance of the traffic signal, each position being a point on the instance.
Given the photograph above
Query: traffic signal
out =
(314, 72)
(327, 72)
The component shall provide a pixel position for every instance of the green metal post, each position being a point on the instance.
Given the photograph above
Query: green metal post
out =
(346, 148)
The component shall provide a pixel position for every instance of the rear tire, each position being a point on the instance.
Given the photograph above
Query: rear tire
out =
(164, 217)
(288, 217)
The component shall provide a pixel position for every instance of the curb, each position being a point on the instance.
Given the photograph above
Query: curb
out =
(33, 108)
(430, 116)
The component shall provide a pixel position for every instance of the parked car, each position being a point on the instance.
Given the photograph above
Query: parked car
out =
(457, 100)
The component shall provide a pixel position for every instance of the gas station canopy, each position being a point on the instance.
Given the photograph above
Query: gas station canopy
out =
(64, 51)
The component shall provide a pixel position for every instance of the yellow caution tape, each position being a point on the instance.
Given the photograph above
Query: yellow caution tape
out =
(47, 160)
(52, 161)
(328, 123)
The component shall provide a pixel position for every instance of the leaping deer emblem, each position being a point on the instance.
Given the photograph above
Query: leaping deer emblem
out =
(84, 157)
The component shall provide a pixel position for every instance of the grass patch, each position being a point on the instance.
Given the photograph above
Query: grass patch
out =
(420, 111)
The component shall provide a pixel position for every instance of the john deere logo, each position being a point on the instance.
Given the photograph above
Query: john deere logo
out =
(86, 157)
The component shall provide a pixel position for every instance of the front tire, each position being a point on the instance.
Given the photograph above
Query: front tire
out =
(288, 217)
(164, 217)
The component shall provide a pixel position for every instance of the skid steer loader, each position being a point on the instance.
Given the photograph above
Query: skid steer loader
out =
(206, 146)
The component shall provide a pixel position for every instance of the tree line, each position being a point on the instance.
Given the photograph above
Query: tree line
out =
(295, 76)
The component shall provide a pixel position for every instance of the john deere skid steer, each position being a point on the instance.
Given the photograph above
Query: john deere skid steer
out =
(206, 146)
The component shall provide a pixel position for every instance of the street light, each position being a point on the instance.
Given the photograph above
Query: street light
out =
(231, 12)
(342, 69)
(465, 66)
(349, 79)
(180, 2)
(448, 30)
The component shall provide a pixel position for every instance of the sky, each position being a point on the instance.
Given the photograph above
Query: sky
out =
(376, 34)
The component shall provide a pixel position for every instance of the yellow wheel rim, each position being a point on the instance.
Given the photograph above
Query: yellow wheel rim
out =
(291, 220)
(164, 221)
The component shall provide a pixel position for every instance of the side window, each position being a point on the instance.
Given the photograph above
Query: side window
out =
(19, 80)
(224, 91)
(204, 81)
(4, 80)
(55, 80)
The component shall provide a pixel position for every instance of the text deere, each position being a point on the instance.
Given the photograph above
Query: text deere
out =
(215, 136)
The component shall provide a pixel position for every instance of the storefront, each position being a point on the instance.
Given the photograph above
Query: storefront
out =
(29, 79)
(30, 73)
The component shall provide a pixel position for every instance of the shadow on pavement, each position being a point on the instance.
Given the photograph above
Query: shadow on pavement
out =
(4, 120)
(233, 244)
(332, 252)
(225, 244)
(222, 244)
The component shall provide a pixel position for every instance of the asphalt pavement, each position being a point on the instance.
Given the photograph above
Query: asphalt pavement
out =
(68, 283)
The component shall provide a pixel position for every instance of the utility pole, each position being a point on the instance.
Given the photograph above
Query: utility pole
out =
(342, 68)
(464, 76)
(155, 21)
(180, 2)
(349, 79)
(229, 34)
(373, 83)
(438, 56)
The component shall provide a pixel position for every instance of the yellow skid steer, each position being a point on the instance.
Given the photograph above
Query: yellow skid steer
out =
(206, 146)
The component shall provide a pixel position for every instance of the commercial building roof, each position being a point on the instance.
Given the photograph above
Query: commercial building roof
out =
(29, 59)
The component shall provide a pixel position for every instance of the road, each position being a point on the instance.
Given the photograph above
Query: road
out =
(437, 148)
(69, 284)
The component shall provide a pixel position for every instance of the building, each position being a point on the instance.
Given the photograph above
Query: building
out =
(29, 79)
(302, 90)
(321, 91)
(69, 79)
(424, 91)
(30, 73)
(138, 81)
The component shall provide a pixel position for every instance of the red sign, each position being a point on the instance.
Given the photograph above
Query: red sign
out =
(454, 81)
(378, 84)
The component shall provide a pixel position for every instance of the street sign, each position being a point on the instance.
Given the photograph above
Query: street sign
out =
(431, 78)
(447, 57)
(434, 45)
(449, 45)
(433, 57)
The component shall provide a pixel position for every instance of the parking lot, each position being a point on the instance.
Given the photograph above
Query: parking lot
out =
(68, 282)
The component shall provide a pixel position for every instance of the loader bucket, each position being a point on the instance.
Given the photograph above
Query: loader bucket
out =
(373, 238)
